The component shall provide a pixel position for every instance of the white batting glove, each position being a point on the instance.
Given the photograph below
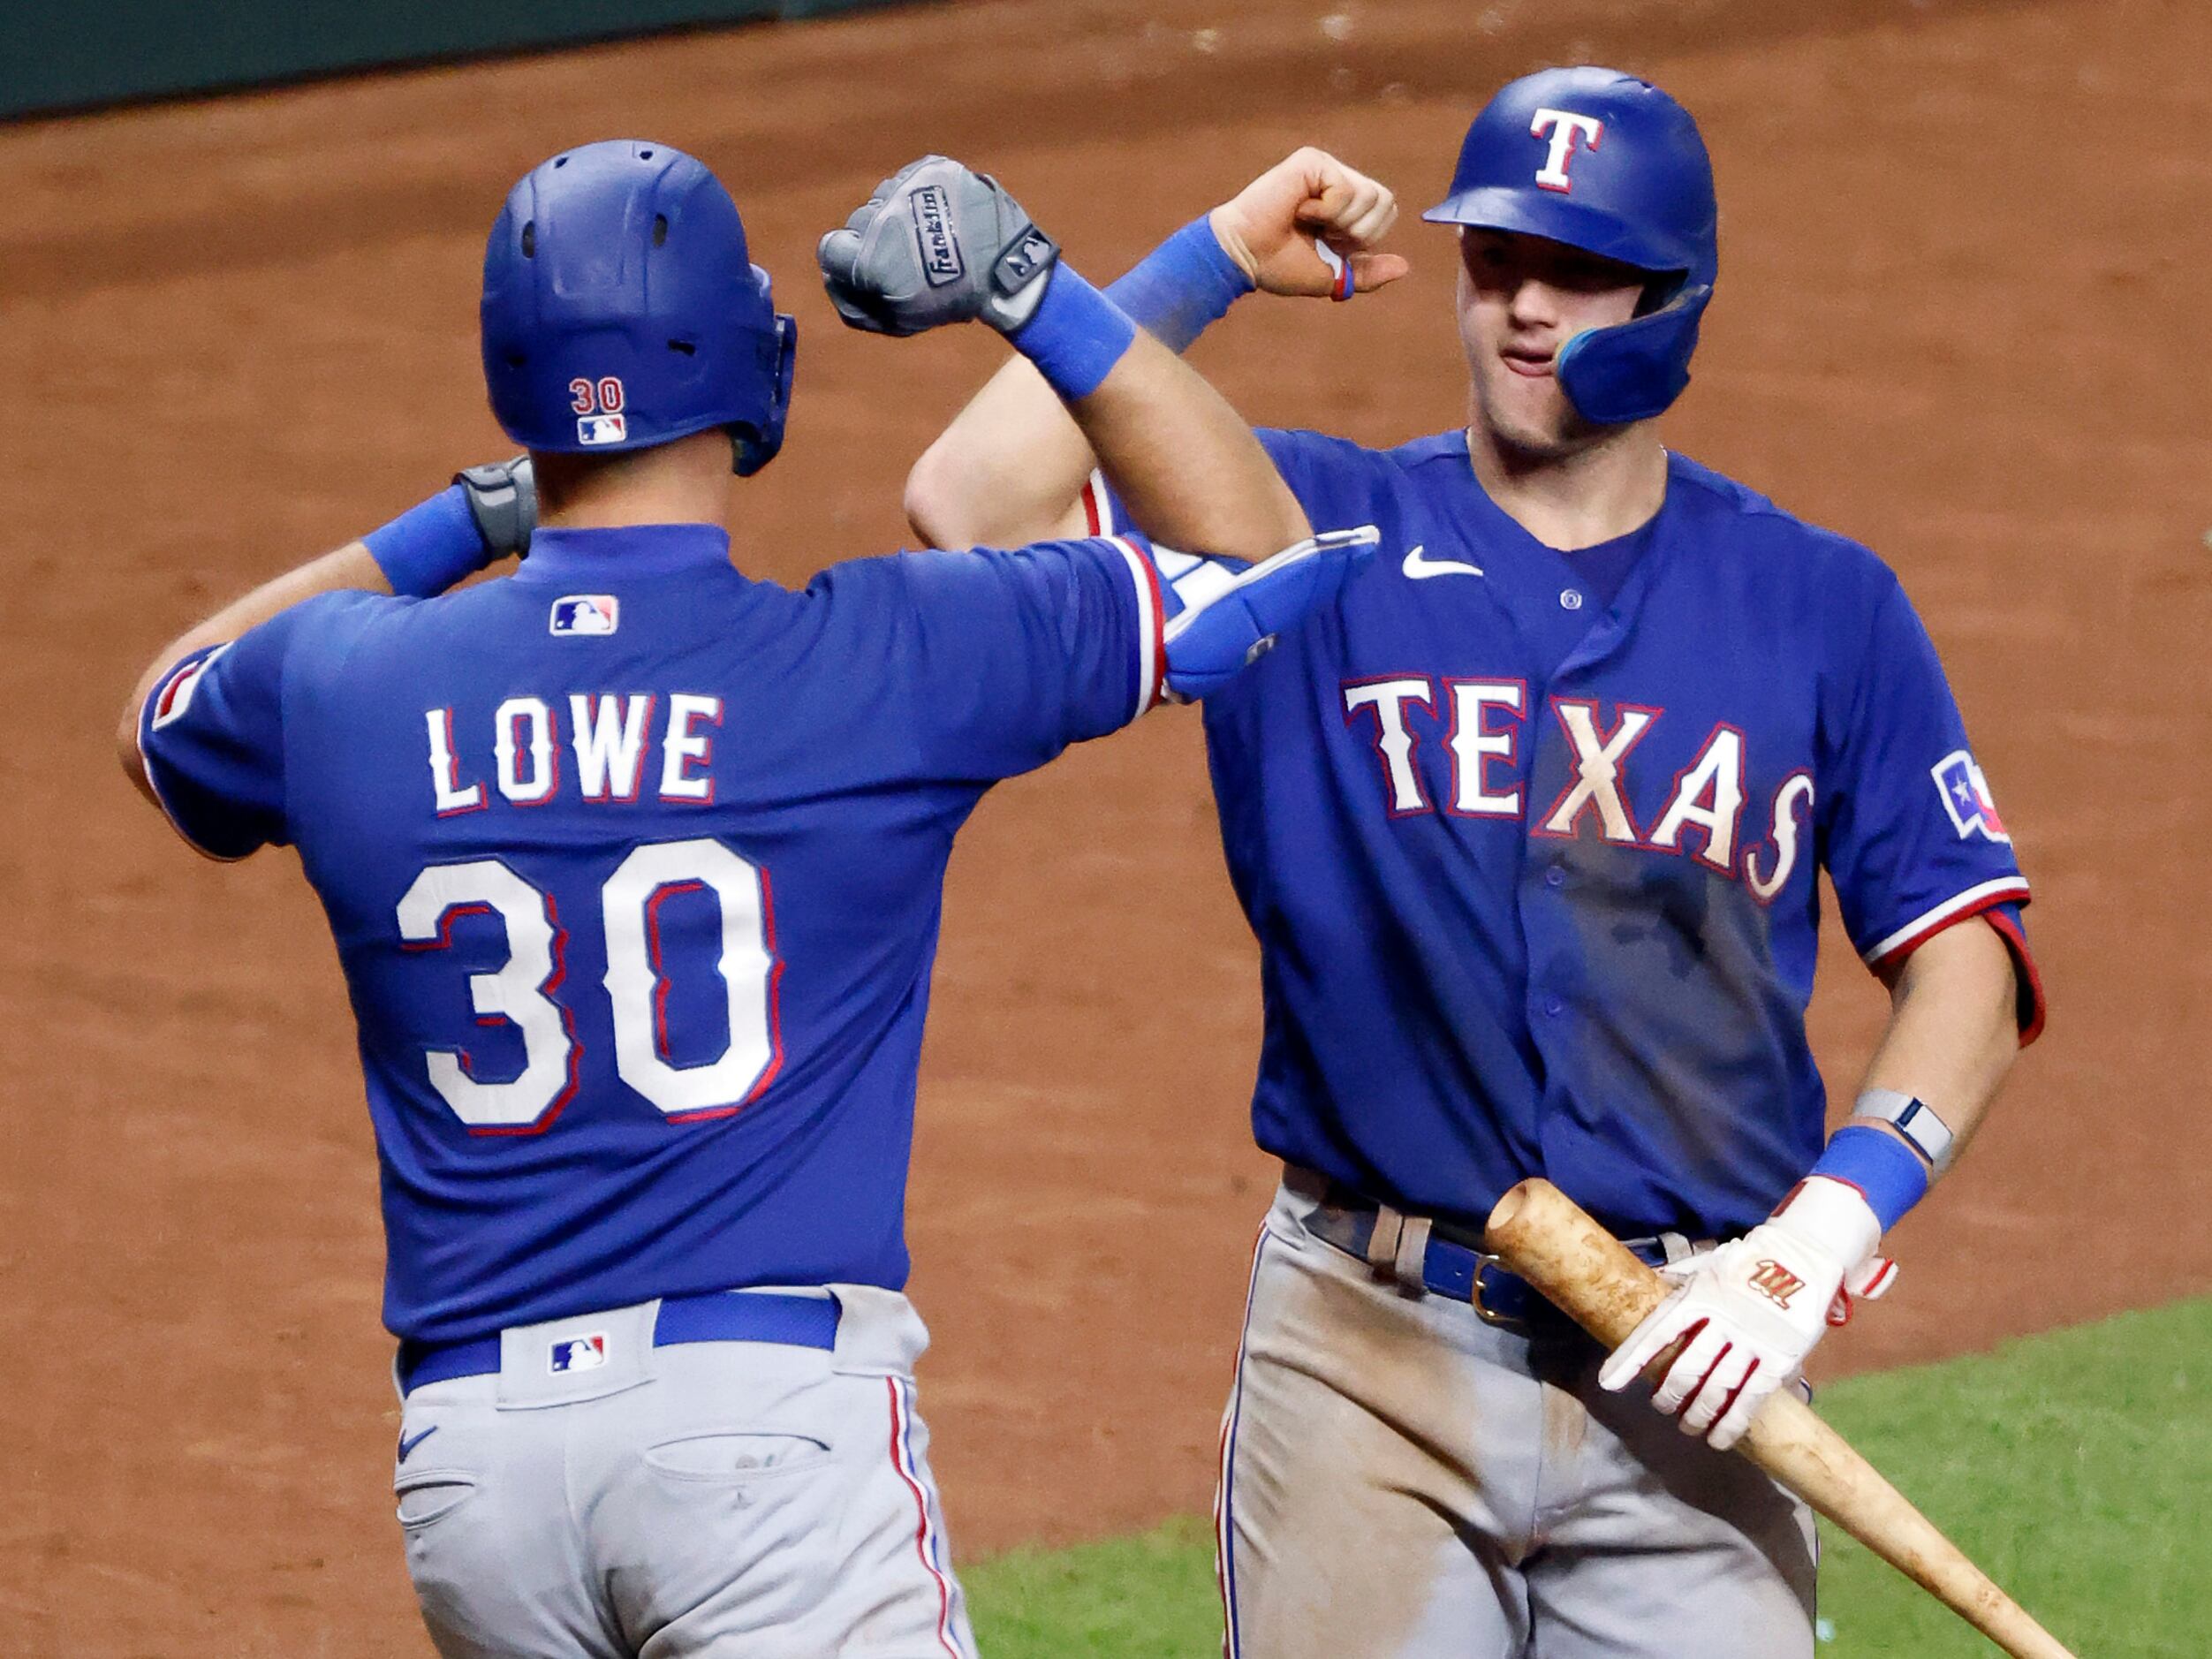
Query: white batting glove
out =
(1748, 1312)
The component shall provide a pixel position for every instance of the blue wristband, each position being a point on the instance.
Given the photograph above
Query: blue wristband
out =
(1884, 1169)
(431, 546)
(1183, 285)
(1076, 335)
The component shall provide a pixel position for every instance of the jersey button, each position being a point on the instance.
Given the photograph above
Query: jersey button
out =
(1571, 599)
(1555, 877)
(1554, 1007)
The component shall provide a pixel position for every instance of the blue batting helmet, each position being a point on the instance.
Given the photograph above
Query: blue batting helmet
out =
(622, 309)
(1610, 164)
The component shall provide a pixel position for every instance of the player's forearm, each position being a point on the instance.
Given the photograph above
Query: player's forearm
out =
(1006, 471)
(351, 566)
(1953, 1031)
(1010, 467)
(1183, 459)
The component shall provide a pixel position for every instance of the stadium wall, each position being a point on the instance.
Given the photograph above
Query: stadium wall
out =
(78, 57)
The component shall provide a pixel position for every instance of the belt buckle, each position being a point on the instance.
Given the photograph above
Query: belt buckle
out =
(1483, 1262)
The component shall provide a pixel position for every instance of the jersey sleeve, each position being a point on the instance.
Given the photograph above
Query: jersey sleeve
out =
(1331, 478)
(1915, 842)
(1012, 655)
(211, 737)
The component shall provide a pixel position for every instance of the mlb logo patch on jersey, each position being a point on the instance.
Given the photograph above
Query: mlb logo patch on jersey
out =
(584, 613)
(1966, 797)
(602, 428)
(580, 1353)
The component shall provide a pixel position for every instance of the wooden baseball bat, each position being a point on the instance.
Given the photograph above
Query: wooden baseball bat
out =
(1546, 1238)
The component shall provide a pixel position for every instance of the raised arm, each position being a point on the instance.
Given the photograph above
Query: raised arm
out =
(1010, 467)
(486, 513)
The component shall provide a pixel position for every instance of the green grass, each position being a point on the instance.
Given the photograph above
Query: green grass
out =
(2076, 1467)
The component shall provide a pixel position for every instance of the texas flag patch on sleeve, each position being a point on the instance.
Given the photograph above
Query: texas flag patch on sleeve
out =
(1966, 797)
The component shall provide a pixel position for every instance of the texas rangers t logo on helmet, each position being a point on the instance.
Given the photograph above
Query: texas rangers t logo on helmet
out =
(1565, 126)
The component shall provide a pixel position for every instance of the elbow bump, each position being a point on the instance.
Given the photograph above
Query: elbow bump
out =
(931, 501)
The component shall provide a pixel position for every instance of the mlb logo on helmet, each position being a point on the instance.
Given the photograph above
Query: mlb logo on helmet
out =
(584, 613)
(602, 428)
(580, 1353)
(1966, 797)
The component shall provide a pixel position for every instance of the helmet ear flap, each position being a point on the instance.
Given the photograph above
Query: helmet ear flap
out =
(754, 445)
(1633, 370)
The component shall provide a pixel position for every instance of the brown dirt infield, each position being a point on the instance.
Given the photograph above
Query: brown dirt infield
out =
(1962, 317)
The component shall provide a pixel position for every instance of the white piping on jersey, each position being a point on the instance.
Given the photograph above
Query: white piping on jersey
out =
(1973, 898)
(146, 761)
(1312, 547)
(1151, 635)
(1098, 504)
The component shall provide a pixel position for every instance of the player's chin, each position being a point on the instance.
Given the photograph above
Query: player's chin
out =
(1533, 418)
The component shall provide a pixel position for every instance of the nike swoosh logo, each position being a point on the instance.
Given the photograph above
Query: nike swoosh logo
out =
(1421, 568)
(407, 1445)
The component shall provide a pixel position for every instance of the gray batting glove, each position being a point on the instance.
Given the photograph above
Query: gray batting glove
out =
(503, 498)
(937, 243)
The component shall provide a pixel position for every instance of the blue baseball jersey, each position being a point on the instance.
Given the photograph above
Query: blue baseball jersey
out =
(634, 868)
(1530, 839)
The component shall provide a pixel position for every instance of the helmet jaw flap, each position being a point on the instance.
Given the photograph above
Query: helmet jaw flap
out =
(753, 443)
(1633, 370)
(1604, 162)
(621, 309)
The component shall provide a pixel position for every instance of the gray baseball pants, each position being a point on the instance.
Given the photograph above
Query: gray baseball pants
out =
(1401, 1481)
(703, 1501)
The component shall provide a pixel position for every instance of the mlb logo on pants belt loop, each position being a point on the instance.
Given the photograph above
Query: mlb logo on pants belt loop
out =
(579, 1353)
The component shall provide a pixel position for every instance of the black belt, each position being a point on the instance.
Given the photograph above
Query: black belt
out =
(1452, 1259)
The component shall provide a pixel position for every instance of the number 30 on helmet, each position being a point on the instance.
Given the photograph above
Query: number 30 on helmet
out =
(1604, 162)
(622, 309)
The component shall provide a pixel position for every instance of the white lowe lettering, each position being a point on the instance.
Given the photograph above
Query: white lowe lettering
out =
(609, 735)
(545, 769)
(444, 770)
(683, 745)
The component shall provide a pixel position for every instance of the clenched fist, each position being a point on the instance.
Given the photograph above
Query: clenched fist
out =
(1309, 225)
(938, 243)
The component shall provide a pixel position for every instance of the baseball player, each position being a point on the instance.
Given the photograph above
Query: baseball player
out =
(634, 868)
(1528, 823)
